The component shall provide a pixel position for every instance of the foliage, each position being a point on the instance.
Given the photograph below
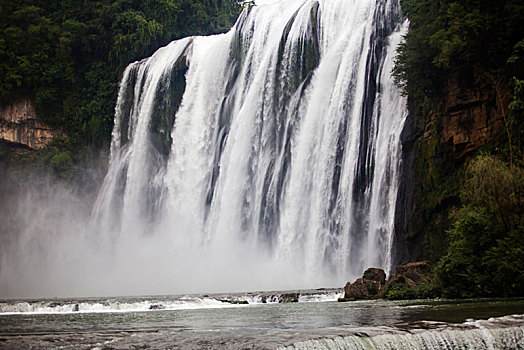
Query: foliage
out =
(516, 117)
(404, 291)
(465, 38)
(399, 292)
(472, 45)
(68, 55)
(400, 289)
(486, 253)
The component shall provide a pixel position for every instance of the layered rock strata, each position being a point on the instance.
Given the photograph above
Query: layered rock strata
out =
(19, 125)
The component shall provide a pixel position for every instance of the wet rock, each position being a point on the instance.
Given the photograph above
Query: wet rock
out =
(55, 304)
(362, 289)
(236, 302)
(367, 287)
(373, 283)
(343, 300)
(289, 298)
(156, 307)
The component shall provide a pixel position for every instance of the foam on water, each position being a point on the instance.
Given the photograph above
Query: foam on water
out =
(145, 304)
(495, 333)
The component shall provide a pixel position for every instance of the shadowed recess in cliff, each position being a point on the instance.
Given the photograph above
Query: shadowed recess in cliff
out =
(271, 150)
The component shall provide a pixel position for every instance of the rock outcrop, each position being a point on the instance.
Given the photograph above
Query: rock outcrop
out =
(472, 118)
(18, 125)
(436, 146)
(418, 272)
(405, 283)
(366, 287)
(373, 284)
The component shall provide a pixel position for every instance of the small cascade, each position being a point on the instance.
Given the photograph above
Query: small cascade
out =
(496, 333)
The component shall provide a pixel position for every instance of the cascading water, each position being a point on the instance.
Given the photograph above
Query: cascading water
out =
(276, 143)
(496, 333)
(264, 158)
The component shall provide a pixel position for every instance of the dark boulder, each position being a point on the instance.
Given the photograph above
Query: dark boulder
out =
(362, 289)
(156, 307)
(403, 284)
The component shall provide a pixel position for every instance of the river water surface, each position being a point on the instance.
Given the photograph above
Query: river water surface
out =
(317, 321)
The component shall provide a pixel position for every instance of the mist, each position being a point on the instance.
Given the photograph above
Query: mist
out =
(55, 251)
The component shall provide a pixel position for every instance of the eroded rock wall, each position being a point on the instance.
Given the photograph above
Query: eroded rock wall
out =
(436, 147)
(472, 118)
(19, 125)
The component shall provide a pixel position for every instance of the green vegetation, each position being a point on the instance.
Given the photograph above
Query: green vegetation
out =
(68, 55)
(486, 253)
(403, 291)
(477, 41)
(467, 215)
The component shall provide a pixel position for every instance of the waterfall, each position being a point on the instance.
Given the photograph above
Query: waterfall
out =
(265, 158)
(274, 146)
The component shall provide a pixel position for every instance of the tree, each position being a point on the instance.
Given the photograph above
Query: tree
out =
(486, 253)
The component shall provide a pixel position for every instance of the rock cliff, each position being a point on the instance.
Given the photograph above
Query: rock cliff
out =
(19, 125)
(436, 146)
(471, 119)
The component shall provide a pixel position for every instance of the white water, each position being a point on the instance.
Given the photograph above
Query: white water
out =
(495, 333)
(154, 303)
(279, 169)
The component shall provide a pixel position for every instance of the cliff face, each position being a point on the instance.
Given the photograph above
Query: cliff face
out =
(436, 149)
(18, 124)
(472, 118)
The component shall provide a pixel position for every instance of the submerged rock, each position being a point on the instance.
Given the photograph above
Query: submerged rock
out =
(236, 302)
(343, 300)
